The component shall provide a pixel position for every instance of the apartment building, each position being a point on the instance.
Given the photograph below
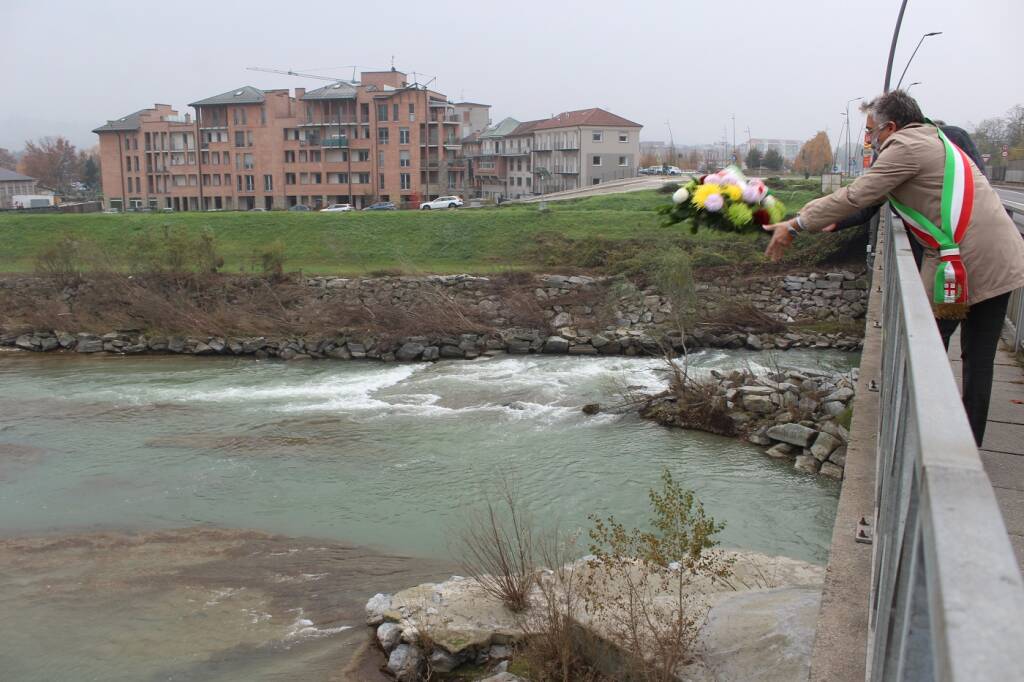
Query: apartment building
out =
(380, 139)
(513, 159)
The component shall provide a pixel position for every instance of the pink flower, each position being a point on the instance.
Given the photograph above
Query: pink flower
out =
(714, 203)
(750, 194)
(713, 179)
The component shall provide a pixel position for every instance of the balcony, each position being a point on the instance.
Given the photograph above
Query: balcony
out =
(335, 142)
(566, 170)
(514, 152)
(567, 146)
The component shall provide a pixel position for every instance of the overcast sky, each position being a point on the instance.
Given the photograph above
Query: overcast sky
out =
(784, 67)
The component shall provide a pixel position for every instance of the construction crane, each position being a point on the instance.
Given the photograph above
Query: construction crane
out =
(296, 73)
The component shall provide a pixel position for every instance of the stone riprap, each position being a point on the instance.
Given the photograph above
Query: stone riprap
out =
(574, 315)
(757, 626)
(794, 413)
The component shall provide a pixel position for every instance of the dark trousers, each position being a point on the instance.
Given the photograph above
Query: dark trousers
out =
(978, 341)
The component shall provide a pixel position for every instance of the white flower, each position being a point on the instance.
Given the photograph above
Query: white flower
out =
(680, 196)
(769, 201)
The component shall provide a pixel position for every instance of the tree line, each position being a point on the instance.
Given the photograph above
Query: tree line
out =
(56, 164)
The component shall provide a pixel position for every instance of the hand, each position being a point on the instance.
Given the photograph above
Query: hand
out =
(830, 228)
(781, 239)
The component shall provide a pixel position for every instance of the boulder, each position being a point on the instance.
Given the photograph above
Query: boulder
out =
(24, 342)
(840, 394)
(754, 343)
(794, 434)
(823, 446)
(780, 451)
(450, 351)
(339, 353)
(806, 463)
(834, 407)
(839, 456)
(562, 319)
(518, 347)
(431, 353)
(409, 351)
(556, 344)
(440, 661)
(832, 471)
(503, 677)
(760, 437)
(405, 663)
(89, 344)
(358, 350)
(758, 403)
(582, 349)
(389, 635)
(376, 607)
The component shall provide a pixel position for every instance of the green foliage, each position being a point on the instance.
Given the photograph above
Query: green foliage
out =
(773, 160)
(754, 158)
(271, 259)
(173, 250)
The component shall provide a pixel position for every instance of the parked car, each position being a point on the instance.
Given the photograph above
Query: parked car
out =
(298, 207)
(336, 208)
(258, 210)
(381, 206)
(442, 202)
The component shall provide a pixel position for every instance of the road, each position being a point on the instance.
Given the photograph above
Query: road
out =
(611, 187)
(1011, 194)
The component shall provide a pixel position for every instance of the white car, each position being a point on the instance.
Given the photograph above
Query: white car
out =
(441, 202)
(336, 208)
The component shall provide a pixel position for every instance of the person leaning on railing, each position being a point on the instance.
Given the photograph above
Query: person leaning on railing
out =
(973, 253)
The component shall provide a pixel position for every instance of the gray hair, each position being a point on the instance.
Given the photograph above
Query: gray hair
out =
(896, 106)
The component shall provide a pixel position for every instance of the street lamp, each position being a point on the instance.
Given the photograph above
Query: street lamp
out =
(926, 35)
(848, 126)
(912, 85)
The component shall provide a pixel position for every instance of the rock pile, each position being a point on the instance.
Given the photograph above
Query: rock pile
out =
(796, 414)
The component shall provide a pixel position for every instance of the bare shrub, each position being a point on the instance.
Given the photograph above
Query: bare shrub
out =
(498, 550)
(61, 260)
(640, 585)
(174, 250)
(271, 259)
(734, 314)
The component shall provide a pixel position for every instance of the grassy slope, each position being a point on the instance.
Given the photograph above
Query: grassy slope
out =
(477, 240)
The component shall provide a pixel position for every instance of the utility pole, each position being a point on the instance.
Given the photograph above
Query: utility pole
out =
(734, 154)
(671, 143)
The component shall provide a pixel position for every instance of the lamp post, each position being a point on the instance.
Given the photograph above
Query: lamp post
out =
(912, 85)
(926, 35)
(849, 165)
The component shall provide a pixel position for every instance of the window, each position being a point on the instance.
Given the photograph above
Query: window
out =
(315, 178)
(623, 137)
(248, 138)
(597, 181)
(380, 159)
(216, 180)
(238, 180)
(303, 156)
(250, 183)
(248, 163)
(597, 136)
(263, 116)
(245, 116)
(406, 180)
(205, 157)
(382, 135)
(227, 158)
(382, 112)
(128, 163)
(363, 178)
(364, 112)
(268, 183)
(314, 155)
(403, 136)
(527, 182)
(412, 111)
(380, 181)
(338, 178)
(623, 161)
(519, 182)
(289, 178)
(597, 160)
(234, 114)
(309, 113)
(394, 112)
(227, 179)
(289, 156)
(239, 138)
(403, 158)
(362, 155)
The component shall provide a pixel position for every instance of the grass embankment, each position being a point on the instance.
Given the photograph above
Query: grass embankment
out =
(605, 233)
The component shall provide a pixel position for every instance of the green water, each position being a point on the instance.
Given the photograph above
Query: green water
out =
(388, 458)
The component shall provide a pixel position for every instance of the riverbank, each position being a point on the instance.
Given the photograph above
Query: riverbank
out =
(424, 318)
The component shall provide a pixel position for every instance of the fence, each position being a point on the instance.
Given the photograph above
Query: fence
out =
(947, 596)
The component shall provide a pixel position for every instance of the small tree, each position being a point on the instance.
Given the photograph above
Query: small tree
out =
(773, 160)
(754, 158)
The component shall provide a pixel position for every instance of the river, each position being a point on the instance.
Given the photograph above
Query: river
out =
(182, 518)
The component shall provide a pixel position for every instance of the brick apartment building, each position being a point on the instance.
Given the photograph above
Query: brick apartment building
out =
(574, 149)
(381, 139)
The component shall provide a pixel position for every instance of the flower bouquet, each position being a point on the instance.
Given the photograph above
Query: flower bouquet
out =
(724, 200)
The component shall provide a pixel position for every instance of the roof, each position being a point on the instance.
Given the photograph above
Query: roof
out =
(587, 117)
(129, 122)
(472, 137)
(10, 176)
(526, 127)
(339, 90)
(501, 128)
(472, 104)
(243, 95)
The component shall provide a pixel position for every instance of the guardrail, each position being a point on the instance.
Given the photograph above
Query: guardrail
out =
(947, 599)
(1015, 308)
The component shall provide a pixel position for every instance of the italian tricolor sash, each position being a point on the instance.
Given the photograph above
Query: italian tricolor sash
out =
(949, 294)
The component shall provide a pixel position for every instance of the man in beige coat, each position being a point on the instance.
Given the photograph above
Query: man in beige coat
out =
(910, 169)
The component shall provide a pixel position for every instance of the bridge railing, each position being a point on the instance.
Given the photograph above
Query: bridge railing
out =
(1015, 308)
(947, 598)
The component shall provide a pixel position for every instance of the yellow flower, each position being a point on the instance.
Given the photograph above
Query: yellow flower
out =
(733, 192)
(703, 192)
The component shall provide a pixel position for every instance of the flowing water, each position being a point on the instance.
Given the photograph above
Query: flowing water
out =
(179, 518)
